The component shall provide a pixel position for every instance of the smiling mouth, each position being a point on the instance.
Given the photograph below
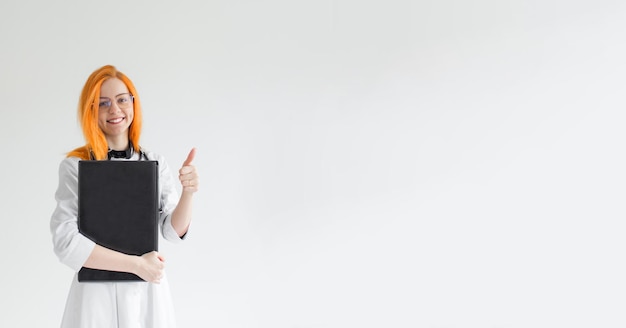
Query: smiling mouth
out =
(116, 120)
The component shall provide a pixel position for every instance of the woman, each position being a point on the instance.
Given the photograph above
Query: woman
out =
(110, 114)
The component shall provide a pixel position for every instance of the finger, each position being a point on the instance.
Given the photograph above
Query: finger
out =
(187, 177)
(189, 182)
(187, 170)
(187, 186)
(190, 157)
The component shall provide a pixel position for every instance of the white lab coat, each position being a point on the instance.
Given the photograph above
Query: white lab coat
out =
(110, 304)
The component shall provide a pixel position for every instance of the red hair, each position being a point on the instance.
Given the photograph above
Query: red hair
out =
(97, 147)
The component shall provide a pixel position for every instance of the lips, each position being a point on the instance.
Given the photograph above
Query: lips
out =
(116, 120)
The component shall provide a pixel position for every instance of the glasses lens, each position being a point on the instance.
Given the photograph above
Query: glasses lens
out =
(124, 101)
(104, 104)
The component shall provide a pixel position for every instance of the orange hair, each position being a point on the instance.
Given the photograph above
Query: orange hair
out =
(88, 115)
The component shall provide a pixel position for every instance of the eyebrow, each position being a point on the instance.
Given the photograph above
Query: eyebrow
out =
(123, 93)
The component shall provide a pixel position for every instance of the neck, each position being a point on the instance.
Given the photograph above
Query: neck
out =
(118, 143)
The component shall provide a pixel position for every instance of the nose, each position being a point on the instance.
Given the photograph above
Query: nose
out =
(114, 107)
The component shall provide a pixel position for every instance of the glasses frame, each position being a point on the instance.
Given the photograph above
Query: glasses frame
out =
(119, 105)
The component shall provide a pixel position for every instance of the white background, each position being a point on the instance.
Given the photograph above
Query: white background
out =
(363, 163)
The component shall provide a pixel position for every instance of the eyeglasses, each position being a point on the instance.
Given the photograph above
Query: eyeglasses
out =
(123, 101)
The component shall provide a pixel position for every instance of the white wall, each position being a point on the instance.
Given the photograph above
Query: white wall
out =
(363, 163)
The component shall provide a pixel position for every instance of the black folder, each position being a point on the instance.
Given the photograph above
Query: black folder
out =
(118, 208)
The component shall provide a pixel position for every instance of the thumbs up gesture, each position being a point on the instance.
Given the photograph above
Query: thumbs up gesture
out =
(187, 174)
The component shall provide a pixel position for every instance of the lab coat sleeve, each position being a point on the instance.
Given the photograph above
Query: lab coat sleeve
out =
(71, 247)
(169, 200)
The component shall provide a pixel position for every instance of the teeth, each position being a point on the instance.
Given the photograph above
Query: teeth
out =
(117, 120)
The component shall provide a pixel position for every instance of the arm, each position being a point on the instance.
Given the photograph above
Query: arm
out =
(71, 247)
(148, 267)
(181, 216)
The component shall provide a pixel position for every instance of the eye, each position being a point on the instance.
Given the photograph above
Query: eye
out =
(104, 103)
(123, 99)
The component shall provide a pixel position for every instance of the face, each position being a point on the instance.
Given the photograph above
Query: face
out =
(115, 112)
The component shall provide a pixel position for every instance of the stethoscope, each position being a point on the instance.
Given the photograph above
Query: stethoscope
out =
(127, 154)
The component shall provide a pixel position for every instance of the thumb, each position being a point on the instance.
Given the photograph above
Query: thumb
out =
(190, 157)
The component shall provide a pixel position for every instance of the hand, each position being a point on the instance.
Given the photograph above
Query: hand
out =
(187, 174)
(150, 267)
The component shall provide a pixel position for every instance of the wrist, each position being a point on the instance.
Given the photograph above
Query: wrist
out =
(187, 193)
(132, 264)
